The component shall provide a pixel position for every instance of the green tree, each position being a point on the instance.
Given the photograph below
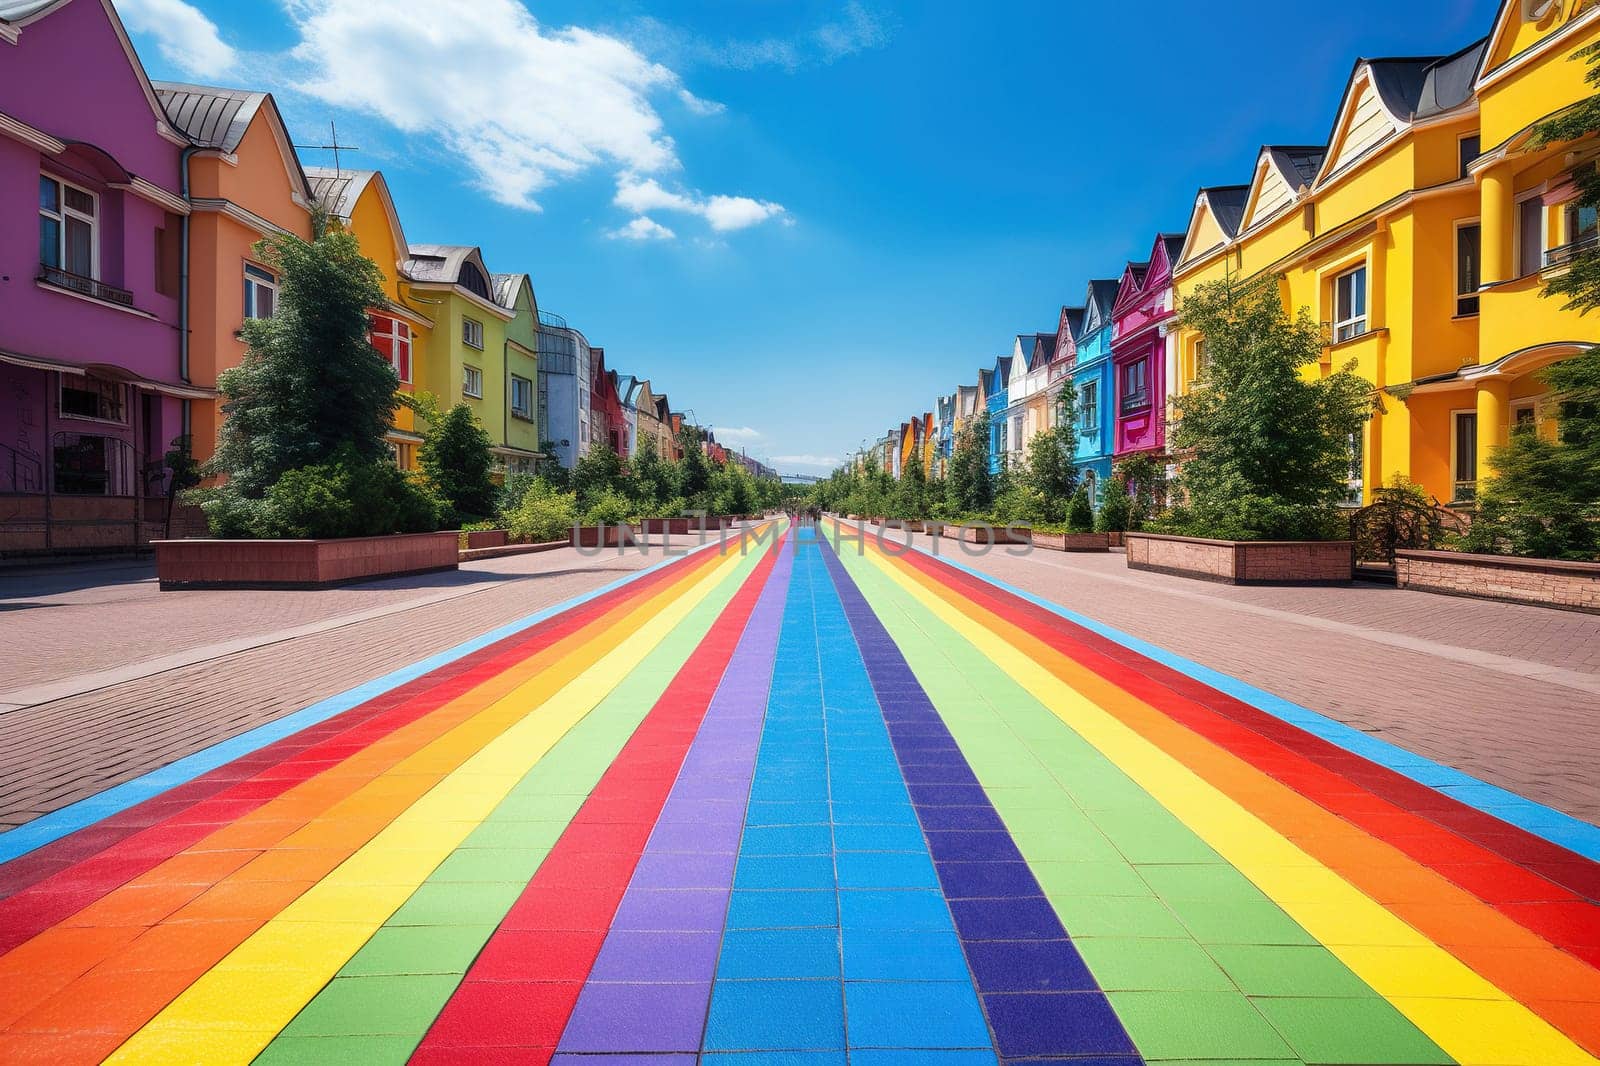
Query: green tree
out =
(1080, 512)
(693, 470)
(1580, 282)
(455, 456)
(1266, 451)
(310, 382)
(652, 479)
(597, 473)
(1543, 497)
(911, 494)
(971, 488)
(1051, 472)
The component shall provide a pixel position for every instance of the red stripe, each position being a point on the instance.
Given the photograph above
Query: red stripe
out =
(1504, 866)
(515, 1000)
(63, 877)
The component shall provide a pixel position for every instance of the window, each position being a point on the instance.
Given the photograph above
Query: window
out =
(1470, 149)
(1350, 304)
(260, 292)
(1016, 432)
(1583, 225)
(472, 333)
(521, 397)
(1524, 416)
(88, 465)
(1464, 455)
(1202, 359)
(472, 279)
(1089, 406)
(1469, 238)
(91, 397)
(67, 236)
(1530, 236)
(1136, 384)
(392, 338)
(472, 382)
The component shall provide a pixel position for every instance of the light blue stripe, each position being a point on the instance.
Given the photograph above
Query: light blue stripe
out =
(1536, 818)
(118, 798)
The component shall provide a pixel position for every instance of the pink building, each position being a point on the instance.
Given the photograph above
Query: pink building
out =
(92, 374)
(1140, 320)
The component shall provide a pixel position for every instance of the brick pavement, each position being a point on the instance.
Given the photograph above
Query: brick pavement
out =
(56, 753)
(1508, 693)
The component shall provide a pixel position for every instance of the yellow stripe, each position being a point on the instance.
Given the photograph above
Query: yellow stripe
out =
(1492, 1031)
(235, 1009)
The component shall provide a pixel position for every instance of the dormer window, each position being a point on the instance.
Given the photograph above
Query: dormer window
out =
(68, 228)
(472, 279)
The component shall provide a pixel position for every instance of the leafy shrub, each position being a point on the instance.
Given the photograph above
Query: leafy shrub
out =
(1020, 504)
(455, 456)
(345, 497)
(543, 515)
(609, 509)
(1080, 511)
(1116, 509)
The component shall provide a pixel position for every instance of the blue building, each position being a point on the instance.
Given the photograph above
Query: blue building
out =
(944, 443)
(1091, 376)
(993, 383)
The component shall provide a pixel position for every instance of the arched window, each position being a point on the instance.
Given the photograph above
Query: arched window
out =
(472, 279)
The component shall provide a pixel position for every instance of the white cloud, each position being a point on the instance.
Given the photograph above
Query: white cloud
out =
(724, 213)
(857, 28)
(738, 433)
(642, 229)
(522, 106)
(828, 461)
(699, 105)
(182, 33)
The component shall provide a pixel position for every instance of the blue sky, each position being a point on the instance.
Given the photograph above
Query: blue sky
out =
(804, 219)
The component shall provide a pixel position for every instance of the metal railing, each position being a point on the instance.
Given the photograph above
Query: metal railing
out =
(1566, 253)
(1135, 400)
(98, 290)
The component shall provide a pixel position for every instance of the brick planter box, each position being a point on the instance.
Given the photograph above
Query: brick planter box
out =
(1571, 586)
(1245, 562)
(603, 536)
(672, 527)
(1114, 538)
(301, 564)
(987, 534)
(1072, 542)
(486, 538)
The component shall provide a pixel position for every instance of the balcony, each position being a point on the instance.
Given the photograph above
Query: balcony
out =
(1135, 401)
(83, 286)
(1564, 254)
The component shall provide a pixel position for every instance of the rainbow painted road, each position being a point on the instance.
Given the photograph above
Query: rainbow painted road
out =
(813, 803)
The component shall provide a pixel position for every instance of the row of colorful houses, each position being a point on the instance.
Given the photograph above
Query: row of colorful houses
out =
(123, 296)
(1421, 230)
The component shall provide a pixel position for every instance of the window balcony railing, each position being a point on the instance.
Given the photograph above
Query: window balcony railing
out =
(97, 290)
(1135, 401)
(1564, 254)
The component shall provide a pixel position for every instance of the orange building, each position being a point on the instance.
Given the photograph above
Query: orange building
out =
(244, 183)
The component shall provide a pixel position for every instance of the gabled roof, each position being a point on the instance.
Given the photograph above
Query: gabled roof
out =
(336, 192)
(1044, 349)
(1281, 173)
(506, 286)
(16, 14)
(211, 117)
(1072, 319)
(1224, 206)
(1098, 303)
(439, 262)
(1172, 245)
(1408, 89)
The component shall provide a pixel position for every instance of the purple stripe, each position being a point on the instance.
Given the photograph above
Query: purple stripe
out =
(651, 984)
(1038, 995)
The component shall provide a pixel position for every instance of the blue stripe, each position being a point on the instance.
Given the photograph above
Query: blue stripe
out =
(57, 824)
(1536, 818)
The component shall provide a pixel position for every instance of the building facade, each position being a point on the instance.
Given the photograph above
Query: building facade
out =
(1141, 322)
(1093, 381)
(516, 451)
(94, 379)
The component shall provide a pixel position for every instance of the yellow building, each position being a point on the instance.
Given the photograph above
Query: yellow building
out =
(359, 201)
(1421, 235)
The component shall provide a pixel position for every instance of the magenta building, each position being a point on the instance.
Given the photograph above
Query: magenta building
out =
(1140, 322)
(92, 387)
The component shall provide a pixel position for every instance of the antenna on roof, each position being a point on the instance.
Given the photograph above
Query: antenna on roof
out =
(334, 146)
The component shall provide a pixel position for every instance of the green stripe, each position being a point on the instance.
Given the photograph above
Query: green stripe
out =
(1197, 961)
(379, 1006)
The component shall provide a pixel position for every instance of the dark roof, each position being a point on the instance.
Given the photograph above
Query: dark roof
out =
(1227, 206)
(1301, 160)
(1173, 243)
(1002, 366)
(1422, 86)
(1044, 350)
(1074, 317)
(209, 116)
